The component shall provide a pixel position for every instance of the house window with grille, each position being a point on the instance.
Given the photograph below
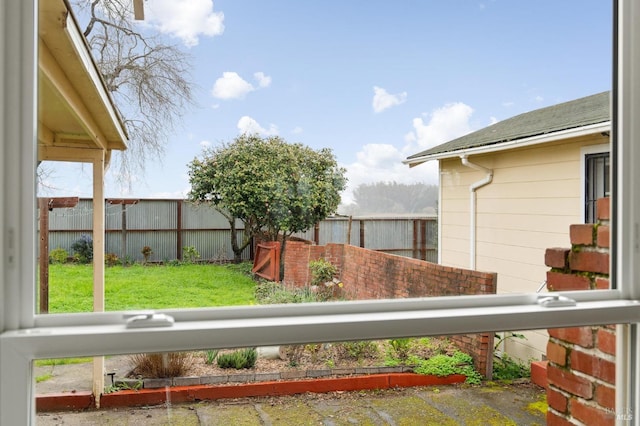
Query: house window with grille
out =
(596, 182)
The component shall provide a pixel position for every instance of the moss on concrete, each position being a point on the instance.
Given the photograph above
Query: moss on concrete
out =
(411, 410)
(292, 415)
(540, 406)
(215, 414)
(474, 414)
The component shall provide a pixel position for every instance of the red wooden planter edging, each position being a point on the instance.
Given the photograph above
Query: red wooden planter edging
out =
(182, 394)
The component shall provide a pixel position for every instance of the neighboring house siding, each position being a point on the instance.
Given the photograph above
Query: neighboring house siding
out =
(536, 193)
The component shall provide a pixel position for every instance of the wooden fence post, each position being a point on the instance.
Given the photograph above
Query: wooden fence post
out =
(45, 205)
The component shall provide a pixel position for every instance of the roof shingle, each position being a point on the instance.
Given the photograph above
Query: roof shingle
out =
(581, 112)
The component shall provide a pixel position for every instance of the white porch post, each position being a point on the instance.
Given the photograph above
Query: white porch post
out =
(98, 261)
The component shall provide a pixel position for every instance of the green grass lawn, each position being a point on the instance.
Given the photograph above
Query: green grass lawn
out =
(149, 287)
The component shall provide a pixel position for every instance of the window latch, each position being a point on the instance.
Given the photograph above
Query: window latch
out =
(555, 301)
(146, 320)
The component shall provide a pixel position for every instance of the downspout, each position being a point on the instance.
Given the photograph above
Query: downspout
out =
(472, 206)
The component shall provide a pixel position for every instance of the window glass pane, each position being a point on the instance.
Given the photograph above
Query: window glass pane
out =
(162, 252)
(462, 245)
(597, 183)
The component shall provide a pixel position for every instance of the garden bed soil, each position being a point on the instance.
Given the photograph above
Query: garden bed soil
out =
(316, 357)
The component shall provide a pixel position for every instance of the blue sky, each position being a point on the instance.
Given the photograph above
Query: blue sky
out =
(375, 81)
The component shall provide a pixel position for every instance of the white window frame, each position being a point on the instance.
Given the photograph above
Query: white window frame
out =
(26, 336)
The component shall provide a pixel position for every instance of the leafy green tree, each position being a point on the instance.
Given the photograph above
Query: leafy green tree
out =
(270, 185)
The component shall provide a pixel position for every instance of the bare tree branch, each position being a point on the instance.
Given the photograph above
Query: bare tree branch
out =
(148, 79)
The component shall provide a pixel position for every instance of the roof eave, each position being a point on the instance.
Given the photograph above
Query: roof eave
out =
(75, 107)
(84, 55)
(502, 146)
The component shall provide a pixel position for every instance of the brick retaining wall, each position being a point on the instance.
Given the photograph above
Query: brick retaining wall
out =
(369, 274)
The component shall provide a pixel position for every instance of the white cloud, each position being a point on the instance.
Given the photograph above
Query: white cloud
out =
(185, 19)
(297, 130)
(231, 86)
(383, 100)
(250, 126)
(445, 124)
(205, 144)
(383, 162)
(493, 120)
(263, 80)
(538, 98)
(508, 104)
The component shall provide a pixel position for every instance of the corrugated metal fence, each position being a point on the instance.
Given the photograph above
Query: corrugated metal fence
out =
(169, 225)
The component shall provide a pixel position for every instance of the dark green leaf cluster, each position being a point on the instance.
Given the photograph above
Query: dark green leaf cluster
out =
(83, 249)
(58, 255)
(507, 368)
(322, 271)
(210, 356)
(243, 358)
(269, 184)
(445, 365)
(400, 348)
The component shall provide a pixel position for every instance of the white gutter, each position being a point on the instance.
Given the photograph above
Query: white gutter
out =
(533, 140)
(472, 205)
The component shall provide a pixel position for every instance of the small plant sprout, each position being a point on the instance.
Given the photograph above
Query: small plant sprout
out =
(210, 356)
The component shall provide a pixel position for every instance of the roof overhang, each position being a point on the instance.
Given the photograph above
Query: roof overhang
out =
(518, 143)
(75, 110)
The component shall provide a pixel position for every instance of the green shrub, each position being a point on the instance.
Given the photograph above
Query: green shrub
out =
(445, 365)
(322, 271)
(190, 254)
(243, 358)
(323, 279)
(506, 368)
(111, 259)
(58, 255)
(399, 348)
(83, 249)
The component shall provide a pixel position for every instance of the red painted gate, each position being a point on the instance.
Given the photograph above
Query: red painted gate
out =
(267, 261)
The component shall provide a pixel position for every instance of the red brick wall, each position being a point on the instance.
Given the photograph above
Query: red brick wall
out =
(369, 274)
(581, 360)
